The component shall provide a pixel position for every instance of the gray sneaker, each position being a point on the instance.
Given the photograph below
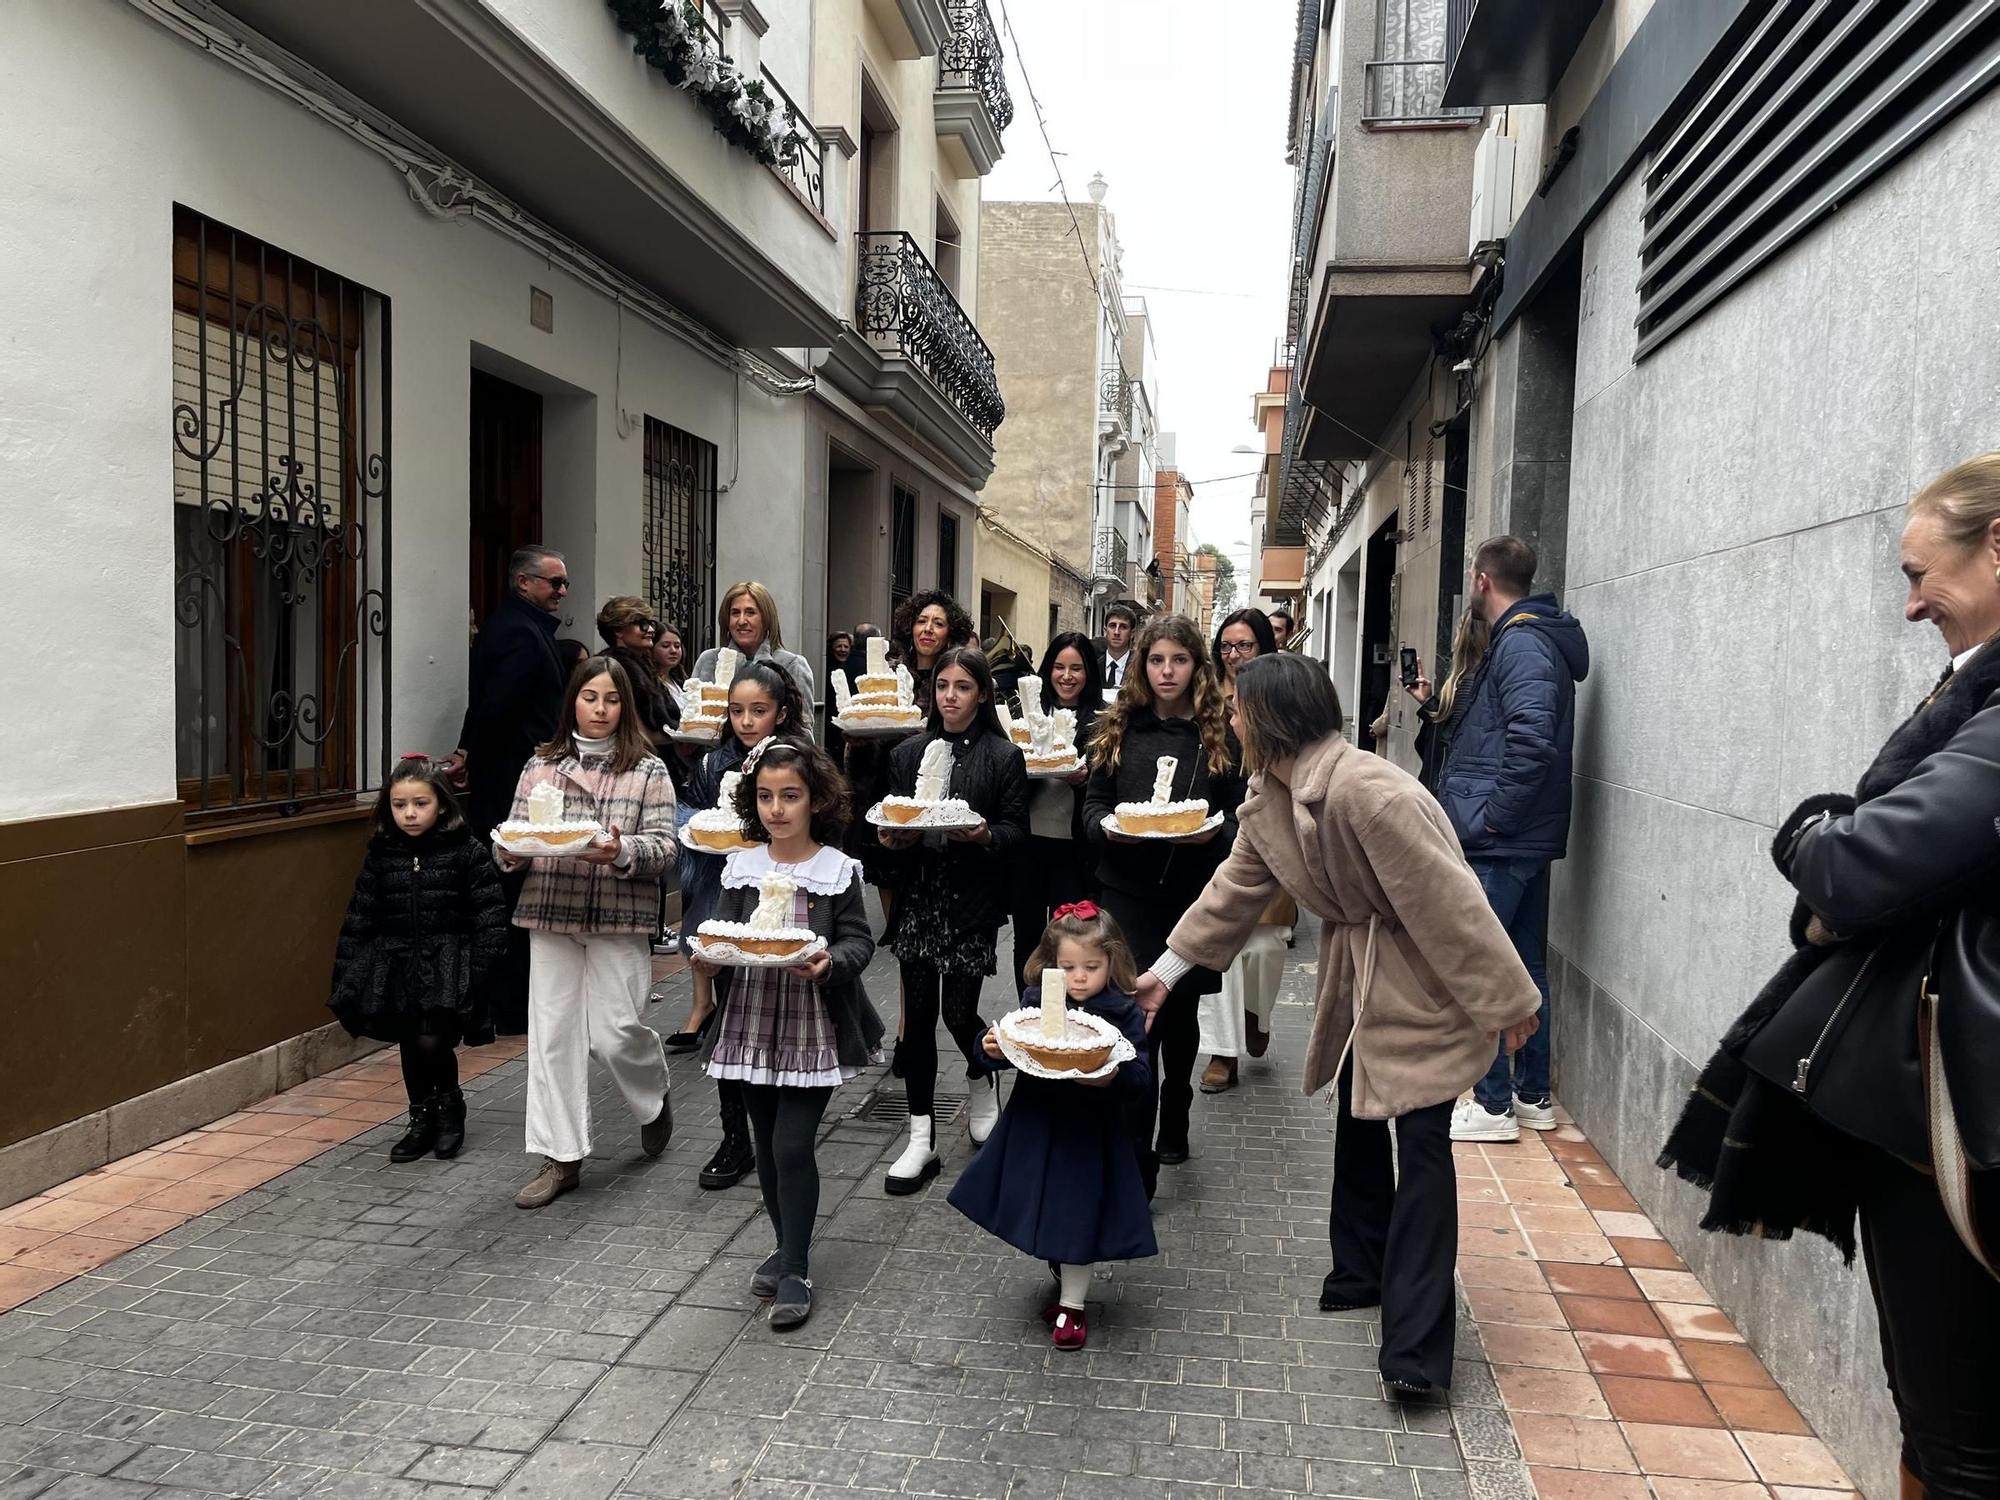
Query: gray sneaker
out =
(764, 1280)
(793, 1303)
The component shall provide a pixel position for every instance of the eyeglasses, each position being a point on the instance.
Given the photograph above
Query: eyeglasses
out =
(1237, 648)
(559, 583)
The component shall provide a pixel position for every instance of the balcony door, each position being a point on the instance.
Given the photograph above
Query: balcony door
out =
(877, 162)
(506, 483)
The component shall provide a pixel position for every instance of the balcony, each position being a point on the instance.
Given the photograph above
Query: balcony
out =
(1281, 572)
(1111, 560)
(914, 354)
(1114, 399)
(1382, 199)
(1511, 51)
(973, 108)
(547, 105)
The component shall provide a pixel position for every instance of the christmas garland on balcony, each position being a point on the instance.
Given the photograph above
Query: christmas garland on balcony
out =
(670, 35)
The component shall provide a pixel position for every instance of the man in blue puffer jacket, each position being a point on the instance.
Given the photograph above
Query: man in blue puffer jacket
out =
(1506, 787)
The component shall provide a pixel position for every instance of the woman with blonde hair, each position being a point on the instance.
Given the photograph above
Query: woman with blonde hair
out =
(1468, 650)
(1169, 705)
(747, 619)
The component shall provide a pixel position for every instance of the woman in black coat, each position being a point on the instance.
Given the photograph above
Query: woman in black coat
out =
(954, 898)
(1171, 705)
(1865, 1079)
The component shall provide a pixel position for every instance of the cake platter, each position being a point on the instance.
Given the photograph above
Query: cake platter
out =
(933, 820)
(729, 956)
(875, 729)
(1110, 824)
(1056, 773)
(689, 841)
(707, 737)
(1122, 1050)
(519, 840)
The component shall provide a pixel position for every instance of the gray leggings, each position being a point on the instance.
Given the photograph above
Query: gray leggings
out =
(784, 1122)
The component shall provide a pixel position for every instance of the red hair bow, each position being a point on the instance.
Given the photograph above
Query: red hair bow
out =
(1083, 911)
(414, 755)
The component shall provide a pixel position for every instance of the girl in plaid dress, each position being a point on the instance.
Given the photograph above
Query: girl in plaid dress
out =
(787, 1038)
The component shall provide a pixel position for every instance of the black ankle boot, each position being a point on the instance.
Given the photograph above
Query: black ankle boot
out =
(734, 1160)
(449, 1108)
(422, 1134)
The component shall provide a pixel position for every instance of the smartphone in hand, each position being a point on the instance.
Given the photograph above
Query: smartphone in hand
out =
(1410, 672)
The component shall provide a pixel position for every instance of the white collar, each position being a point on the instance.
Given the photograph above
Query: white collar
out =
(827, 873)
(1958, 662)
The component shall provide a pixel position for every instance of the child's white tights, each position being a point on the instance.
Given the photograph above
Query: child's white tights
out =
(1075, 1286)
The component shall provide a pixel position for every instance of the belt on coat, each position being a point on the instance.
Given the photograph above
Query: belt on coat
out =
(1364, 982)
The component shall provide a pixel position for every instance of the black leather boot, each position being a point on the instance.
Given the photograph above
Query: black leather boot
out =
(422, 1134)
(736, 1157)
(449, 1109)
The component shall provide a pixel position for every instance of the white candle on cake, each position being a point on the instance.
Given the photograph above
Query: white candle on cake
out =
(1055, 1004)
(1163, 778)
(727, 796)
(906, 685)
(727, 660)
(1030, 689)
(1006, 719)
(545, 805)
(842, 693)
(934, 771)
(878, 655)
(774, 903)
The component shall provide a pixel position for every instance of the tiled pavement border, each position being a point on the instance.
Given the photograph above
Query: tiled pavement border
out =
(1623, 1380)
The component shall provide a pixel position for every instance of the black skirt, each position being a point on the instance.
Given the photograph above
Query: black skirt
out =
(1147, 922)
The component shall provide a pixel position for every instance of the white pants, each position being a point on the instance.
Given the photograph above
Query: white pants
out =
(586, 992)
(1251, 983)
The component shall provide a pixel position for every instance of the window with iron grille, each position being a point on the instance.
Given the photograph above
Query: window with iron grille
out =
(678, 545)
(948, 553)
(903, 546)
(281, 527)
(1807, 103)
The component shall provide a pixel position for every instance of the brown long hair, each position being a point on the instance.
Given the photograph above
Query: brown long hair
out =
(766, 606)
(1101, 931)
(1107, 742)
(1468, 650)
(629, 744)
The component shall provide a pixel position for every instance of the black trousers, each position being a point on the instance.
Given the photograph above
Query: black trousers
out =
(925, 992)
(1047, 873)
(1395, 1234)
(430, 1066)
(784, 1122)
(507, 983)
(1940, 1318)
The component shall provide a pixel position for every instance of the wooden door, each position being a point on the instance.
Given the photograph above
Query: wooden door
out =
(506, 467)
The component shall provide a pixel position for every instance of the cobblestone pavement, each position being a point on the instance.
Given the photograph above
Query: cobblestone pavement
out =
(354, 1328)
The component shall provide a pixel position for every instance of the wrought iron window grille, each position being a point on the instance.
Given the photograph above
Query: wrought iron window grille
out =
(281, 527)
(1114, 394)
(971, 58)
(903, 307)
(678, 543)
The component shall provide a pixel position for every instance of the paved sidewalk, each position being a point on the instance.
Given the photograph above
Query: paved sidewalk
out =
(327, 1323)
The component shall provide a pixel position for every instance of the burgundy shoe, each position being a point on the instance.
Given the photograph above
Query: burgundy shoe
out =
(1049, 1312)
(1070, 1330)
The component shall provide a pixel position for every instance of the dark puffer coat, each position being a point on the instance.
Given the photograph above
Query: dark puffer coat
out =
(988, 773)
(1175, 873)
(426, 923)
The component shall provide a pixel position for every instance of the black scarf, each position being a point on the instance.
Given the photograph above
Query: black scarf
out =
(1770, 1167)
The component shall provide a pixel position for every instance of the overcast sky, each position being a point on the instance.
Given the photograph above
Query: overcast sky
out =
(1181, 105)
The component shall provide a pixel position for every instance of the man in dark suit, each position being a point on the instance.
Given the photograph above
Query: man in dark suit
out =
(514, 704)
(514, 701)
(1121, 621)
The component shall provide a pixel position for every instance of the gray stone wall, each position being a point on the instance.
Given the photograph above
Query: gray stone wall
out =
(1733, 525)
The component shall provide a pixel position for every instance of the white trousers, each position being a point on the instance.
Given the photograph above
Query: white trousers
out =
(586, 993)
(1251, 983)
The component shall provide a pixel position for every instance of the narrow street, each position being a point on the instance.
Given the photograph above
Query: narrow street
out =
(356, 1330)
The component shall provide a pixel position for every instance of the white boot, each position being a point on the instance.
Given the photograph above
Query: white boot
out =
(919, 1162)
(983, 1113)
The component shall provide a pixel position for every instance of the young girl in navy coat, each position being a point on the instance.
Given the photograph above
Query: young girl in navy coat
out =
(1060, 1176)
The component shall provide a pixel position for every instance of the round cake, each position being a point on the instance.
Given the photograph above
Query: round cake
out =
(1161, 817)
(1063, 759)
(875, 685)
(1020, 733)
(765, 942)
(572, 833)
(909, 809)
(718, 829)
(1084, 1047)
(866, 714)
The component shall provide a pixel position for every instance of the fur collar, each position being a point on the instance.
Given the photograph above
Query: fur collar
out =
(1957, 698)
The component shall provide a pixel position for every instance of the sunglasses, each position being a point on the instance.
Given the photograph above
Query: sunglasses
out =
(559, 584)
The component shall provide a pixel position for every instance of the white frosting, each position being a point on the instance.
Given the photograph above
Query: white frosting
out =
(727, 660)
(722, 817)
(545, 805)
(934, 772)
(774, 903)
(1053, 736)
(1030, 689)
(906, 685)
(1125, 809)
(1163, 777)
(724, 931)
(947, 810)
(1055, 1004)
(878, 654)
(843, 694)
(891, 713)
(1006, 719)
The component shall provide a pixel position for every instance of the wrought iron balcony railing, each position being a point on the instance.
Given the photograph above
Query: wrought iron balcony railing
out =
(971, 59)
(1114, 394)
(902, 306)
(1410, 91)
(1112, 555)
(802, 156)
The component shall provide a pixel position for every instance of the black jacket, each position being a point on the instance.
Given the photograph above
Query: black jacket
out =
(1179, 870)
(427, 921)
(843, 921)
(514, 704)
(987, 773)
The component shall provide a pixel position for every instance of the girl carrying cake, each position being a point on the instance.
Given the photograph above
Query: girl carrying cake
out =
(763, 701)
(954, 897)
(1061, 1176)
(427, 923)
(590, 918)
(787, 1037)
(1170, 708)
